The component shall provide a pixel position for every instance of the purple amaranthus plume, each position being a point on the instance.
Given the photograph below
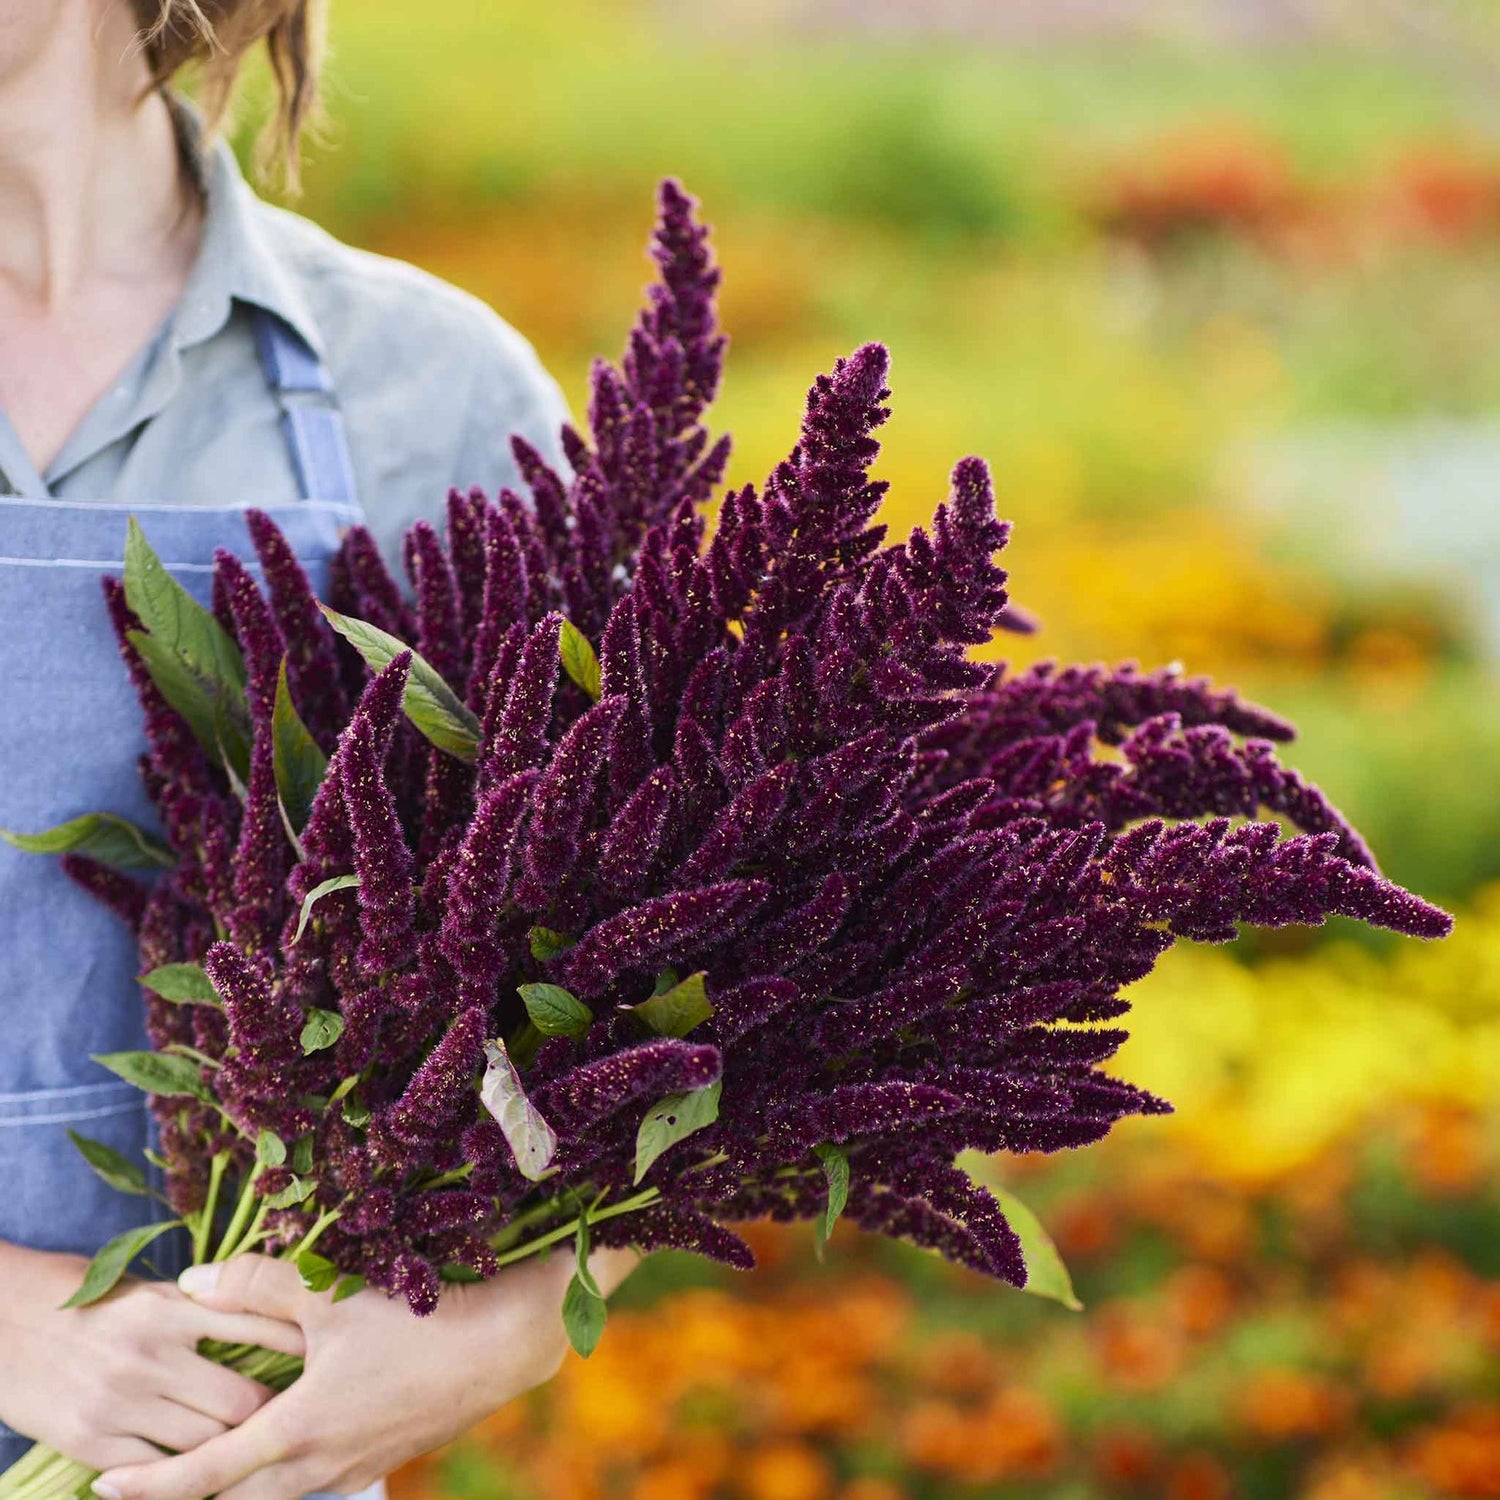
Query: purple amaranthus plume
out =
(706, 876)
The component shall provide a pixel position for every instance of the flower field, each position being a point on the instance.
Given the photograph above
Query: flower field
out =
(1222, 321)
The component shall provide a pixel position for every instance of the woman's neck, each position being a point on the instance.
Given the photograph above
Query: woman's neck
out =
(91, 184)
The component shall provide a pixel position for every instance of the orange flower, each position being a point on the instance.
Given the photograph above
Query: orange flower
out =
(1137, 1352)
(958, 1364)
(671, 1481)
(786, 1471)
(1014, 1434)
(1461, 1458)
(1199, 1299)
(1280, 1405)
(1125, 1458)
(1198, 1476)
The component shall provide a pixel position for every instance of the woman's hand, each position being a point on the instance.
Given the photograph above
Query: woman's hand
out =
(380, 1385)
(103, 1383)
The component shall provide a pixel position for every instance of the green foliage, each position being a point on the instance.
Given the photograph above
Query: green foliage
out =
(671, 1120)
(110, 839)
(113, 1260)
(190, 656)
(836, 1169)
(321, 1029)
(316, 894)
(555, 1011)
(298, 1190)
(431, 705)
(182, 984)
(584, 1314)
(299, 763)
(579, 660)
(162, 1073)
(547, 943)
(677, 1009)
(120, 1173)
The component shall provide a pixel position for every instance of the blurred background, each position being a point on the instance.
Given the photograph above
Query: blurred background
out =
(1215, 285)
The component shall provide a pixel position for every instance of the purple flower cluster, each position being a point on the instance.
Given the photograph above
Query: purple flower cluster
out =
(912, 886)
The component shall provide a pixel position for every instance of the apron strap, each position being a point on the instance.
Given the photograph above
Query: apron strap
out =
(310, 416)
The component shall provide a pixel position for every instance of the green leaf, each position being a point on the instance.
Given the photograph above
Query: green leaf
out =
(836, 1169)
(270, 1148)
(459, 1275)
(302, 1155)
(579, 660)
(157, 1072)
(174, 618)
(555, 1011)
(348, 1287)
(223, 732)
(182, 984)
(321, 1029)
(346, 1086)
(532, 1140)
(299, 762)
(356, 1112)
(674, 1119)
(1046, 1275)
(584, 1314)
(433, 706)
(113, 1260)
(232, 737)
(581, 1256)
(317, 1272)
(677, 1010)
(102, 836)
(316, 894)
(120, 1173)
(547, 944)
(190, 656)
(296, 1191)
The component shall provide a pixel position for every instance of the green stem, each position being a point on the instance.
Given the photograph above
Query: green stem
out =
(527, 1043)
(243, 1211)
(205, 1225)
(567, 1231)
(458, 1174)
(314, 1234)
(513, 1231)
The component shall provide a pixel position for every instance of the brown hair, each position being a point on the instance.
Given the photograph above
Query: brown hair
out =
(216, 36)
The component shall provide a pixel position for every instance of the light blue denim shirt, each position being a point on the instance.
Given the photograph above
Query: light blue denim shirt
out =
(431, 381)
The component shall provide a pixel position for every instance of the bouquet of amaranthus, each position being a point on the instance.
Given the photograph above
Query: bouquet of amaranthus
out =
(634, 877)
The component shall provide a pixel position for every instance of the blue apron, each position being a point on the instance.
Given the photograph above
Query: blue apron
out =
(70, 732)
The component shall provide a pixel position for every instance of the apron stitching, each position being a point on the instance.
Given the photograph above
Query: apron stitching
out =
(98, 562)
(63, 1090)
(110, 506)
(128, 1107)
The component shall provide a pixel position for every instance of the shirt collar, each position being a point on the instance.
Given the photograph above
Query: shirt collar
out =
(236, 260)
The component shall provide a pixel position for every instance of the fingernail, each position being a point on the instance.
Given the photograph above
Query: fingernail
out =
(105, 1491)
(196, 1281)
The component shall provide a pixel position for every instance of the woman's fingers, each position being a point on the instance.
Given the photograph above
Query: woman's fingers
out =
(214, 1467)
(279, 1482)
(106, 1452)
(174, 1427)
(249, 1284)
(225, 1396)
(242, 1328)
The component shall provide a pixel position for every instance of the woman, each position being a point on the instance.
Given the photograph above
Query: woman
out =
(172, 347)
